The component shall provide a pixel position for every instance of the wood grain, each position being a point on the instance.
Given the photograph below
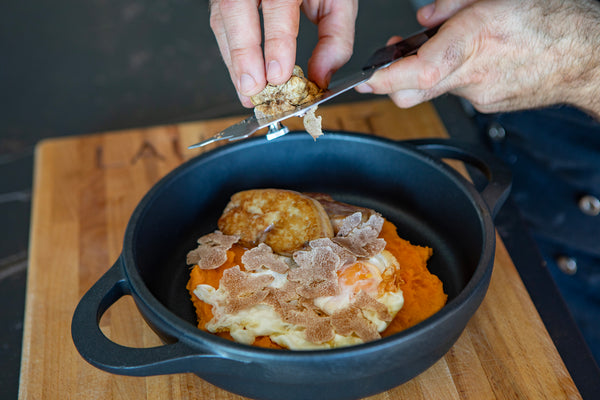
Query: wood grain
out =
(85, 190)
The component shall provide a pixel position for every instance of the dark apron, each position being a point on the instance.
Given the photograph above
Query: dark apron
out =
(554, 154)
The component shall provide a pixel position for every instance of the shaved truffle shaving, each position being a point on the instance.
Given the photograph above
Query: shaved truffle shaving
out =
(350, 321)
(361, 239)
(349, 223)
(263, 256)
(316, 272)
(345, 255)
(312, 123)
(243, 289)
(212, 250)
(318, 326)
(365, 302)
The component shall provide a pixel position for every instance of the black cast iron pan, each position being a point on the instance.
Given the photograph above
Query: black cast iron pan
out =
(405, 181)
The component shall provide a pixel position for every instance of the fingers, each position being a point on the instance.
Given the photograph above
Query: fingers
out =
(440, 10)
(425, 75)
(335, 21)
(236, 25)
(408, 82)
(281, 20)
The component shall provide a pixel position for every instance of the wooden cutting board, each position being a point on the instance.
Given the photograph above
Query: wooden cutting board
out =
(85, 190)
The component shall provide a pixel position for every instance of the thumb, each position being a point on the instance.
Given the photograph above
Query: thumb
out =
(440, 10)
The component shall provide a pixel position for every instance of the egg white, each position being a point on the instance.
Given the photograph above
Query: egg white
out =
(262, 320)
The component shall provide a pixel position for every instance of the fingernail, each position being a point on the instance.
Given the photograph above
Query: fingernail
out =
(273, 70)
(245, 100)
(247, 83)
(427, 11)
(364, 88)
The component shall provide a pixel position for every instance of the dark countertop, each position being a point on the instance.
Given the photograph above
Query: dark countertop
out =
(73, 68)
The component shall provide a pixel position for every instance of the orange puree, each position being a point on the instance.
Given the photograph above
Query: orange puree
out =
(423, 292)
(212, 277)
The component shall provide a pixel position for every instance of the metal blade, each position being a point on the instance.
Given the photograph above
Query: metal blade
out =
(380, 59)
(247, 127)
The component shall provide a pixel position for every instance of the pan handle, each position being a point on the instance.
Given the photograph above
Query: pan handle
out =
(105, 354)
(497, 173)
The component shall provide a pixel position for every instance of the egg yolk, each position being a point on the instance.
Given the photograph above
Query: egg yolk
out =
(360, 276)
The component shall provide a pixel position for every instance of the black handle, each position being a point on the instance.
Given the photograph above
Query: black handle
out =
(105, 354)
(497, 173)
(409, 46)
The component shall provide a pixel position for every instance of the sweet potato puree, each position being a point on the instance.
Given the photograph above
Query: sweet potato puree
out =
(423, 292)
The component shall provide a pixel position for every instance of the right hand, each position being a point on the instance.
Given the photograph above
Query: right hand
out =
(236, 25)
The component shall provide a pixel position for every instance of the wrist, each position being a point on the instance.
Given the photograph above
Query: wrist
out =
(586, 94)
(580, 84)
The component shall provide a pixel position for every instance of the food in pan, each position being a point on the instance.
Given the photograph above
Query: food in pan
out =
(302, 271)
(298, 90)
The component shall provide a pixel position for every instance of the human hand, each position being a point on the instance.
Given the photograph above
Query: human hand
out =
(502, 55)
(236, 25)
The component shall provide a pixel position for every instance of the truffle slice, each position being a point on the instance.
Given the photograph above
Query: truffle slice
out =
(263, 255)
(212, 250)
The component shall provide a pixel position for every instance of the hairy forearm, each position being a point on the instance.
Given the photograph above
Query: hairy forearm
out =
(580, 75)
(504, 55)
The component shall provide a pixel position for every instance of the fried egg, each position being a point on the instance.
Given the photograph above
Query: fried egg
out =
(365, 275)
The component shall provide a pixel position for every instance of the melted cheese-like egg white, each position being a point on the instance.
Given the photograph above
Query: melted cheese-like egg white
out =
(262, 320)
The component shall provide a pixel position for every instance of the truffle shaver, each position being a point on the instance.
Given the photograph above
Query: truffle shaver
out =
(380, 59)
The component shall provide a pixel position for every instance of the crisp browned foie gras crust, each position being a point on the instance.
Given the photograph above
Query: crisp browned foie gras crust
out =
(298, 90)
(283, 219)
